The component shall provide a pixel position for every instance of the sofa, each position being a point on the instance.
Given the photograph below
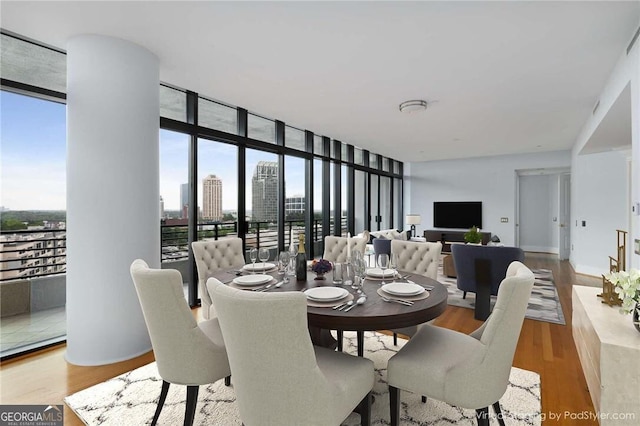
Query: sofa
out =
(389, 234)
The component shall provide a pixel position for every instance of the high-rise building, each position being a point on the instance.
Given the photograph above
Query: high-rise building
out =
(184, 199)
(264, 188)
(294, 205)
(212, 198)
(161, 207)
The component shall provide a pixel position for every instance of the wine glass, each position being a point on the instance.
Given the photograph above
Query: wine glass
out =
(284, 265)
(393, 264)
(253, 256)
(360, 269)
(383, 263)
(263, 255)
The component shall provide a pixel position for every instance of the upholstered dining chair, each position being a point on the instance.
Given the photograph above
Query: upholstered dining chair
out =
(211, 256)
(187, 353)
(335, 248)
(280, 378)
(417, 258)
(468, 371)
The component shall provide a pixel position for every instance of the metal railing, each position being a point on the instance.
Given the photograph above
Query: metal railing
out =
(32, 253)
(42, 252)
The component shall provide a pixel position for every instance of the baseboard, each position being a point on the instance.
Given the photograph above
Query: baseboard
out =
(538, 249)
(588, 270)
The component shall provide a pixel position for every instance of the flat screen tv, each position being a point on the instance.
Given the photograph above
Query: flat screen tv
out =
(457, 214)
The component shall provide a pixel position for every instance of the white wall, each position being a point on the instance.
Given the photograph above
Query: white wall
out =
(538, 209)
(491, 180)
(586, 256)
(600, 198)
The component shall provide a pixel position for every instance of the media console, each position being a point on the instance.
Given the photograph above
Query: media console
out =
(449, 237)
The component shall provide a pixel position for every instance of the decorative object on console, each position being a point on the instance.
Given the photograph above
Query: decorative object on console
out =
(320, 267)
(627, 286)
(609, 295)
(413, 220)
(473, 236)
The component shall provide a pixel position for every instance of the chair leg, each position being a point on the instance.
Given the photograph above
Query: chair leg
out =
(190, 409)
(482, 414)
(339, 333)
(365, 410)
(163, 396)
(424, 399)
(227, 381)
(464, 294)
(394, 405)
(496, 408)
(395, 339)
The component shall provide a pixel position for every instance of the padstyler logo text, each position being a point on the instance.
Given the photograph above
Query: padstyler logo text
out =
(31, 415)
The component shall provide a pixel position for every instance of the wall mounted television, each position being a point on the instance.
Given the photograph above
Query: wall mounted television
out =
(457, 214)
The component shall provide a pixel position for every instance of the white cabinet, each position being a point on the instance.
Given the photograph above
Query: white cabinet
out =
(609, 350)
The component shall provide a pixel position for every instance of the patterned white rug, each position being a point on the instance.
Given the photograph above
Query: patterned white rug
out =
(544, 304)
(131, 398)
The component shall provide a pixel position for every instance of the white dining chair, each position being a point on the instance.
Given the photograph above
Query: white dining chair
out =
(336, 248)
(415, 258)
(280, 377)
(186, 353)
(212, 256)
(468, 371)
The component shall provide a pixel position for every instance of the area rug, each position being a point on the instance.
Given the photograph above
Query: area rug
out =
(131, 398)
(544, 304)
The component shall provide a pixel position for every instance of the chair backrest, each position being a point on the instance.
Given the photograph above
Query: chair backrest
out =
(464, 258)
(211, 256)
(335, 248)
(417, 257)
(275, 374)
(184, 354)
(499, 334)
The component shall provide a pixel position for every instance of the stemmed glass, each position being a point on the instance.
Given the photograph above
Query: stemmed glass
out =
(253, 256)
(284, 265)
(360, 267)
(263, 255)
(383, 263)
(393, 264)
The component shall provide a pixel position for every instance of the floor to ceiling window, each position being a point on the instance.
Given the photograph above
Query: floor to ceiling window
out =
(219, 171)
(33, 222)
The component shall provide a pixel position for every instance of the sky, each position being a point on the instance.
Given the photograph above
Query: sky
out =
(33, 160)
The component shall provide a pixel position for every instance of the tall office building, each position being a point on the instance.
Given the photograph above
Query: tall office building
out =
(294, 205)
(264, 188)
(162, 215)
(184, 199)
(212, 198)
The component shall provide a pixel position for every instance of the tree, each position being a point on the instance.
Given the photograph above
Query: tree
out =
(12, 224)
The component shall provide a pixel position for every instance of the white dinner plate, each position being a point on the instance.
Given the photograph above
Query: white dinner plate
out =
(250, 280)
(259, 266)
(326, 294)
(403, 289)
(377, 273)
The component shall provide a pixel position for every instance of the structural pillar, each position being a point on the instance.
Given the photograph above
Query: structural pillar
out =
(113, 195)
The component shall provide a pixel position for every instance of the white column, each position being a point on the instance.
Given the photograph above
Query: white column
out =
(634, 235)
(112, 194)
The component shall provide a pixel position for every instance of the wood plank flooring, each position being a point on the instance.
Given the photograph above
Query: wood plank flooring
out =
(548, 349)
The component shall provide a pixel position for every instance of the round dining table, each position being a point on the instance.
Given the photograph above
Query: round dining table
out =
(373, 314)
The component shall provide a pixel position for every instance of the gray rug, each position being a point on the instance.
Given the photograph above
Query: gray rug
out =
(544, 304)
(131, 398)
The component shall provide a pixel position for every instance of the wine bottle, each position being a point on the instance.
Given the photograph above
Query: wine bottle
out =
(301, 260)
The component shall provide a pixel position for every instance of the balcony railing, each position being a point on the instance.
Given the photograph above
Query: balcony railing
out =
(43, 252)
(32, 253)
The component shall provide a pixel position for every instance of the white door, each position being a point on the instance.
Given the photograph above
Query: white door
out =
(564, 216)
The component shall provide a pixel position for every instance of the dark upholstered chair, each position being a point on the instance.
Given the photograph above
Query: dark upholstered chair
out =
(381, 246)
(480, 270)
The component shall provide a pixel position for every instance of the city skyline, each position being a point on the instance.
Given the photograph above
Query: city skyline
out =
(33, 160)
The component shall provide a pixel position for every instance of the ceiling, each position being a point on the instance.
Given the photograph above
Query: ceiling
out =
(499, 77)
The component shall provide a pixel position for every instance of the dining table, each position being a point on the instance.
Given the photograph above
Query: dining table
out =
(374, 314)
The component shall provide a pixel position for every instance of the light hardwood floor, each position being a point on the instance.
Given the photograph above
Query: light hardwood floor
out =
(548, 349)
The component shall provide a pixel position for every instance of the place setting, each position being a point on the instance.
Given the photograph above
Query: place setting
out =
(402, 292)
(327, 297)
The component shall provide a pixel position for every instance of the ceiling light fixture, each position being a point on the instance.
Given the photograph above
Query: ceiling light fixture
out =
(413, 106)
